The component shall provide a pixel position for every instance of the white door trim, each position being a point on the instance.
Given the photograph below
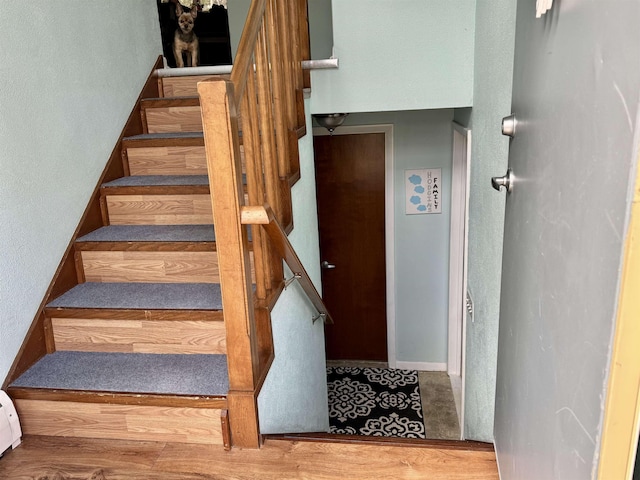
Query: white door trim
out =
(458, 245)
(387, 129)
(459, 240)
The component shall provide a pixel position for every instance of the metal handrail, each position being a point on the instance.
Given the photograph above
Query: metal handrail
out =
(325, 64)
(264, 216)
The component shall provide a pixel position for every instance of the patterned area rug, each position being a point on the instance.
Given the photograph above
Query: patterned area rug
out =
(378, 402)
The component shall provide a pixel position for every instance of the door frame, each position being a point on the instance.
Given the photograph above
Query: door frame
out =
(458, 247)
(387, 129)
(621, 419)
(458, 262)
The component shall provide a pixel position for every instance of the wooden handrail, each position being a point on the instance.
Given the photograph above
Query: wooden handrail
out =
(264, 216)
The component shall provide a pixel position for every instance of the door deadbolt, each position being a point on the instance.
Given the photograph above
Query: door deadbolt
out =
(506, 181)
(509, 125)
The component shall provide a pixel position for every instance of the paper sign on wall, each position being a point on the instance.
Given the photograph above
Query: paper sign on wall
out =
(423, 190)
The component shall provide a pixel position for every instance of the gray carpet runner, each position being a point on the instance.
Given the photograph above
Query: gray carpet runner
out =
(158, 180)
(146, 296)
(153, 136)
(129, 373)
(151, 233)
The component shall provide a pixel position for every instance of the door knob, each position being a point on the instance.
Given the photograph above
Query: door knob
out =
(327, 265)
(506, 181)
(509, 125)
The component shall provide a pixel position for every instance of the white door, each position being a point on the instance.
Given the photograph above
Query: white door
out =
(575, 96)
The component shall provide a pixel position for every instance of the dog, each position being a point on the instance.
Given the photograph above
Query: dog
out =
(185, 40)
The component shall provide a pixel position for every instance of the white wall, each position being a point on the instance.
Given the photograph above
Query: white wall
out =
(421, 139)
(294, 395)
(398, 55)
(71, 72)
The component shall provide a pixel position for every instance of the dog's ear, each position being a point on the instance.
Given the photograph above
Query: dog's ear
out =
(194, 10)
(179, 10)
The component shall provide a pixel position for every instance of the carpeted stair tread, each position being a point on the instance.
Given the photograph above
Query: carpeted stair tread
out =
(162, 136)
(129, 373)
(151, 233)
(158, 180)
(145, 296)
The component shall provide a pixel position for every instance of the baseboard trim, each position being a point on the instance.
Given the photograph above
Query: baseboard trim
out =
(423, 366)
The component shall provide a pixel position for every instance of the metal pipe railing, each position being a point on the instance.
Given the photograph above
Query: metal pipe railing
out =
(326, 64)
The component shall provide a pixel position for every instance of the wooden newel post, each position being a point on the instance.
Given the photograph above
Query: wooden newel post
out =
(222, 146)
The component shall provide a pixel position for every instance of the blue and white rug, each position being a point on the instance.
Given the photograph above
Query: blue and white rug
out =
(378, 402)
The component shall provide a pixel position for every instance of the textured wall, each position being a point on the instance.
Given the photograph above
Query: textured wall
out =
(71, 72)
(494, 44)
(402, 55)
(294, 395)
(421, 139)
(320, 27)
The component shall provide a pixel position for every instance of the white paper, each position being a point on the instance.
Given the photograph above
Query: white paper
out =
(423, 191)
(542, 7)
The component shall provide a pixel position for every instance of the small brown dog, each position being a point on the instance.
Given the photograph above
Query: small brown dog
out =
(184, 39)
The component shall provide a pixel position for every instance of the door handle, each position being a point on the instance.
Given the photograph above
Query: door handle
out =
(509, 125)
(506, 181)
(327, 265)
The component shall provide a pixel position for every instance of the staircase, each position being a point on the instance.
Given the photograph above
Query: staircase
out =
(137, 349)
(132, 341)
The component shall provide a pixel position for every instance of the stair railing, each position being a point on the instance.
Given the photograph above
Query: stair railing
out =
(256, 114)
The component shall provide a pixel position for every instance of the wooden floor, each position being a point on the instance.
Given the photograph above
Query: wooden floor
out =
(56, 458)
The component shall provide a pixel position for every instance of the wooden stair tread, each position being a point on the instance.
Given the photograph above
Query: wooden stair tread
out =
(158, 184)
(174, 139)
(158, 181)
(166, 102)
(116, 314)
(150, 238)
(139, 373)
(150, 233)
(164, 136)
(141, 296)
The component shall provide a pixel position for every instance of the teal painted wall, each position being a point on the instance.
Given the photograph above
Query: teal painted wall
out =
(401, 55)
(421, 139)
(294, 395)
(494, 47)
(68, 85)
(320, 26)
(237, 13)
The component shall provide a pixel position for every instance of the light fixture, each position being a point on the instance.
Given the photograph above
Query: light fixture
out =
(330, 121)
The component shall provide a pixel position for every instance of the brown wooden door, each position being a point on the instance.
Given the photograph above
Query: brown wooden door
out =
(351, 199)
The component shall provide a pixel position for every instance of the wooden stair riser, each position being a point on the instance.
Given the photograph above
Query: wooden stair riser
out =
(188, 209)
(173, 119)
(181, 86)
(139, 336)
(150, 266)
(176, 160)
(168, 160)
(122, 422)
(167, 209)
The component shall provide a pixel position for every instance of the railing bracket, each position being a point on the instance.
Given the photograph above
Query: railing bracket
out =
(322, 316)
(296, 276)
